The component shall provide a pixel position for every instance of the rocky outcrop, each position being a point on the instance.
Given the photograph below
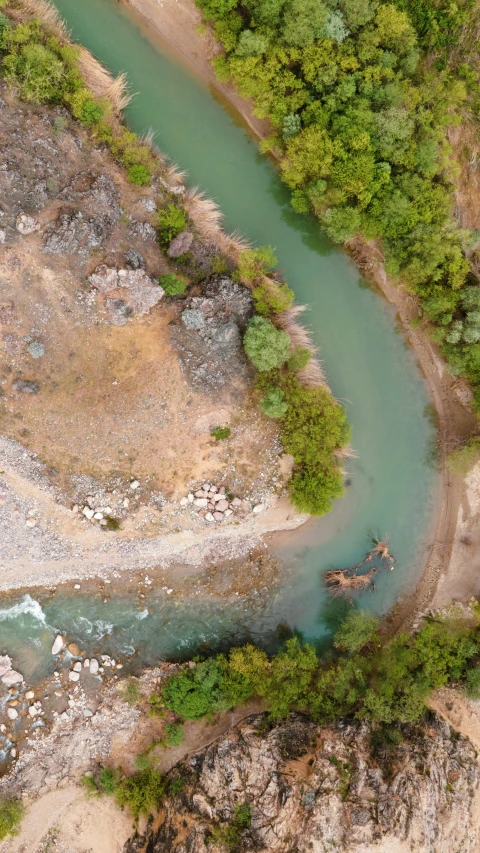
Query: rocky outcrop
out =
(340, 788)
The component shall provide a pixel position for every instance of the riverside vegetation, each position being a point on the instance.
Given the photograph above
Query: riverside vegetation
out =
(359, 95)
(37, 60)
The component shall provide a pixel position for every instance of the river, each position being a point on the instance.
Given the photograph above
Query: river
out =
(392, 482)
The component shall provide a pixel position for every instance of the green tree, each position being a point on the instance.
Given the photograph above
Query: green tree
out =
(174, 734)
(172, 285)
(251, 44)
(11, 815)
(358, 629)
(266, 346)
(273, 403)
(304, 21)
(253, 264)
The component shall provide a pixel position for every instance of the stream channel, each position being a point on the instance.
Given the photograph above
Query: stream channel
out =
(392, 483)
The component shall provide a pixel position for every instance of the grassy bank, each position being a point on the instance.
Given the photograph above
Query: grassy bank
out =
(42, 66)
(360, 95)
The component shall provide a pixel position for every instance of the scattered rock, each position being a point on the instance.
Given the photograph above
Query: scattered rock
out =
(203, 502)
(12, 714)
(222, 505)
(180, 244)
(134, 485)
(209, 517)
(94, 666)
(11, 678)
(258, 508)
(57, 644)
(26, 386)
(73, 676)
(77, 666)
(33, 711)
(26, 224)
(31, 522)
(36, 349)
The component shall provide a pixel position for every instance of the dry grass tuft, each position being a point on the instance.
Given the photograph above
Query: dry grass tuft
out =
(313, 374)
(48, 15)
(101, 82)
(346, 452)
(174, 176)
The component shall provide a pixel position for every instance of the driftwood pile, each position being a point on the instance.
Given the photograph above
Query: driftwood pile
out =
(345, 582)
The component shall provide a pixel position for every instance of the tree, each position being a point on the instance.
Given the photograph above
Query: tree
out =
(273, 403)
(341, 223)
(11, 814)
(358, 629)
(266, 346)
(251, 44)
(357, 13)
(253, 264)
(304, 21)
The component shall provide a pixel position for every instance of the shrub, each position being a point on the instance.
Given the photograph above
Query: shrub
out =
(170, 222)
(271, 297)
(37, 72)
(266, 346)
(221, 433)
(174, 734)
(112, 523)
(472, 683)
(463, 458)
(131, 692)
(299, 359)
(253, 264)
(138, 174)
(109, 780)
(142, 761)
(142, 793)
(89, 783)
(273, 403)
(358, 629)
(11, 815)
(172, 285)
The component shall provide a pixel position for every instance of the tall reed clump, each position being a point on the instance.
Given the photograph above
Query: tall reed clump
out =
(39, 61)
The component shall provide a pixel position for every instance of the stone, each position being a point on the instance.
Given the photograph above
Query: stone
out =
(201, 502)
(126, 503)
(134, 484)
(190, 498)
(77, 666)
(200, 494)
(25, 386)
(213, 489)
(236, 502)
(258, 508)
(73, 649)
(222, 490)
(87, 712)
(209, 517)
(3, 235)
(88, 513)
(73, 676)
(4, 669)
(33, 711)
(31, 522)
(13, 752)
(169, 591)
(30, 694)
(86, 663)
(134, 259)
(98, 516)
(11, 678)
(210, 506)
(218, 516)
(192, 318)
(94, 666)
(180, 244)
(206, 488)
(184, 502)
(222, 505)
(36, 349)
(12, 714)
(57, 644)
(228, 512)
(76, 586)
(26, 224)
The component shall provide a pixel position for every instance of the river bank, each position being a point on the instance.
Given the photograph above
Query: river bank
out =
(178, 23)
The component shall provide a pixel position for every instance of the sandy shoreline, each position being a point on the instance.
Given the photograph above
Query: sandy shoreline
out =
(177, 24)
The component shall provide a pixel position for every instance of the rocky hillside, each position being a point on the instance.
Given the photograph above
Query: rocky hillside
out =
(296, 788)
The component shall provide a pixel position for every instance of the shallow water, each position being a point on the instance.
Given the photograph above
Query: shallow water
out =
(369, 367)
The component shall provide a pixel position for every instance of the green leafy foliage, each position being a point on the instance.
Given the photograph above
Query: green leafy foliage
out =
(266, 346)
(131, 692)
(472, 683)
(141, 793)
(463, 458)
(358, 629)
(272, 297)
(230, 834)
(253, 264)
(221, 433)
(314, 428)
(138, 174)
(172, 285)
(174, 734)
(273, 403)
(170, 222)
(11, 815)
(359, 113)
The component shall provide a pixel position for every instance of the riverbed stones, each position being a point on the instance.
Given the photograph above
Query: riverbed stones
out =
(57, 644)
(11, 678)
(77, 667)
(94, 666)
(222, 505)
(258, 508)
(73, 676)
(26, 224)
(12, 714)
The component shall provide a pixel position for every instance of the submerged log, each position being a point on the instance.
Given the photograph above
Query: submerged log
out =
(340, 582)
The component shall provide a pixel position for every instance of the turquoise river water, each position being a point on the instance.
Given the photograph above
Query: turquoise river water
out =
(369, 367)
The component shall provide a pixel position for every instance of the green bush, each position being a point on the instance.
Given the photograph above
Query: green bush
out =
(131, 692)
(266, 346)
(273, 403)
(141, 793)
(299, 359)
(109, 780)
(271, 297)
(172, 285)
(253, 264)
(221, 433)
(463, 458)
(90, 785)
(92, 112)
(170, 222)
(138, 174)
(11, 815)
(358, 629)
(472, 683)
(174, 734)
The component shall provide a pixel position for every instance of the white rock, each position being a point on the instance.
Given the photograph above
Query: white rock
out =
(190, 498)
(77, 667)
(209, 517)
(98, 516)
(33, 711)
(200, 494)
(258, 508)
(86, 663)
(12, 714)
(213, 489)
(87, 712)
(126, 503)
(228, 512)
(94, 666)
(134, 484)
(11, 678)
(3, 728)
(76, 586)
(30, 694)
(206, 487)
(13, 752)
(203, 502)
(26, 224)
(236, 502)
(169, 591)
(73, 676)
(218, 497)
(75, 508)
(119, 666)
(57, 644)
(88, 513)
(31, 522)
(222, 505)
(184, 502)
